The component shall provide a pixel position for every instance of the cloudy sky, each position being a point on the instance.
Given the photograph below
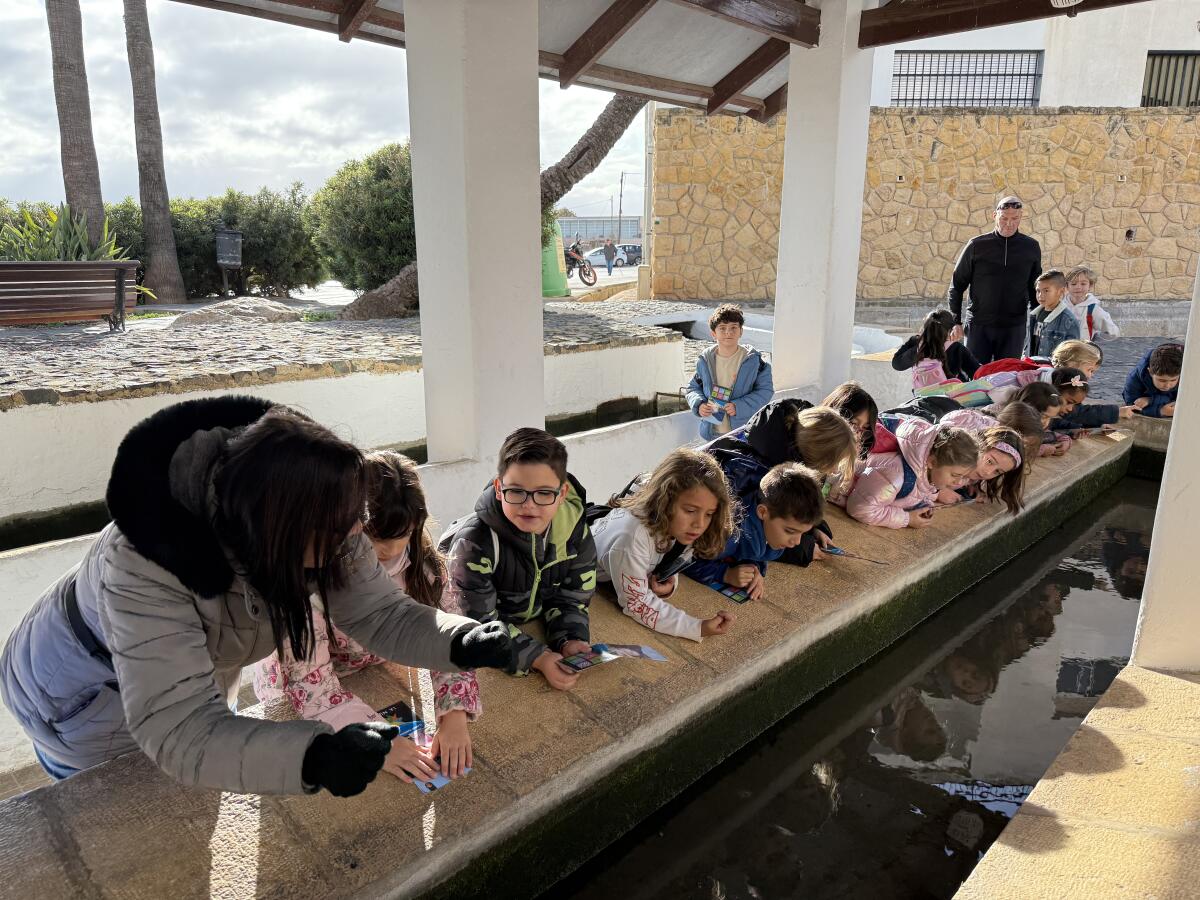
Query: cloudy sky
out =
(244, 103)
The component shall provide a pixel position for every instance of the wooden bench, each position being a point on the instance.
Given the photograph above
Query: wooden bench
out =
(39, 292)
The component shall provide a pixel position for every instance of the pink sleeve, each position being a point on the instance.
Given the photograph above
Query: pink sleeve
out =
(872, 500)
(312, 685)
(456, 691)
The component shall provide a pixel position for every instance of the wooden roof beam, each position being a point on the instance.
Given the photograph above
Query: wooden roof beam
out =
(784, 20)
(314, 24)
(915, 19)
(599, 36)
(638, 84)
(748, 71)
(352, 17)
(772, 106)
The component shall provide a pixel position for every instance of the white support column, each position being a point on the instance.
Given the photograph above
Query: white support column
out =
(1168, 630)
(473, 108)
(824, 157)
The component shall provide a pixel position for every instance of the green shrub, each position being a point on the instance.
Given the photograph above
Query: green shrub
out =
(362, 219)
(125, 223)
(60, 235)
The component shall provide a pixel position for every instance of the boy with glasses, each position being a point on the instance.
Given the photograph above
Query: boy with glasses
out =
(526, 553)
(996, 273)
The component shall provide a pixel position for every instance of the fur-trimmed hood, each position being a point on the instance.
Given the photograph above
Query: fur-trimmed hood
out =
(157, 493)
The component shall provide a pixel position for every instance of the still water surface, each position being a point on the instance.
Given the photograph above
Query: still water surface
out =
(895, 781)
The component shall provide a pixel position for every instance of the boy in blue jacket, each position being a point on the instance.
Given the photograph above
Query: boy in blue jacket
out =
(786, 506)
(732, 380)
(1152, 386)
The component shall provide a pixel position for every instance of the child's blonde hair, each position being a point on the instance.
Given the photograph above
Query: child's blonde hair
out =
(1076, 354)
(825, 441)
(682, 470)
(953, 447)
(1087, 273)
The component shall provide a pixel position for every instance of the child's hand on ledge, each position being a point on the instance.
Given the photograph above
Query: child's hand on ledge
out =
(1141, 403)
(452, 744)
(570, 648)
(947, 497)
(558, 677)
(662, 588)
(921, 518)
(757, 589)
(1128, 411)
(1168, 410)
(718, 624)
(740, 576)
(408, 761)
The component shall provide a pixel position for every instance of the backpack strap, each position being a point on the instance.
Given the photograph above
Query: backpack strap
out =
(910, 478)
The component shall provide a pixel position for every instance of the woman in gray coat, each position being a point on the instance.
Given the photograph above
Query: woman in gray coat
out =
(229, 514)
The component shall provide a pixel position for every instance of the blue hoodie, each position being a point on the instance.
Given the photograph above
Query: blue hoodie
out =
(1139, 384)
(752, 390)
(748, 545)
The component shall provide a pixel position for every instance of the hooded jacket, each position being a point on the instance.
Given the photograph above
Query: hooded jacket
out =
(159, 591)
(1139, 383)
(875, 499)
(1093, 318)
(747, 454)
(551, 576)
(999, 274)
(751, 391)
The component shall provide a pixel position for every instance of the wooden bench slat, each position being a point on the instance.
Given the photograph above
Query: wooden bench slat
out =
(66, 297)
(64, 291)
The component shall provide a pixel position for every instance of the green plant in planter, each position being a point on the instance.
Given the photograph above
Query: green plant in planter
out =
(62, 237)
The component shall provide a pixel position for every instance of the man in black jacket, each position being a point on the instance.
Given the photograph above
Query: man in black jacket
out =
(998, 269)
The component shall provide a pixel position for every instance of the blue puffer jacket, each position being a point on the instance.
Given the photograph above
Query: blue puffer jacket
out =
(748, 545)
(752, 390)
(1139, 384)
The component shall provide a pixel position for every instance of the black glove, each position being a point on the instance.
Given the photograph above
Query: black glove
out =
(483, 647)
(346, 762)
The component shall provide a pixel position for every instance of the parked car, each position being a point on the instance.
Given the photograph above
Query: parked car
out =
(633, 253)
(596, 258)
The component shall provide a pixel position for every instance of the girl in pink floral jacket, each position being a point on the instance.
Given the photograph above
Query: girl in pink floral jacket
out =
(396, 514)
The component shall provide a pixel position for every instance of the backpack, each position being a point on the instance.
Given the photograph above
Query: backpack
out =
(927, 373)
(1006, 365)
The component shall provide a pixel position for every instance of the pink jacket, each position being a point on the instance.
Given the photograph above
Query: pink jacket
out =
(314, 688)
(874, 498)
(970, 419)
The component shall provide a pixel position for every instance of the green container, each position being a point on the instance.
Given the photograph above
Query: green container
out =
(554, 268)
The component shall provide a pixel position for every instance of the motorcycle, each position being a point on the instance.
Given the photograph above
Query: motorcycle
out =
(575, 260)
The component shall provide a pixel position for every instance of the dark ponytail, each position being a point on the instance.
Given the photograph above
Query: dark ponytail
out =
(931, 342)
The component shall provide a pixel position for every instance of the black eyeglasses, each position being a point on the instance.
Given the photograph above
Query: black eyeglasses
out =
(517, 496)
(1011, 204)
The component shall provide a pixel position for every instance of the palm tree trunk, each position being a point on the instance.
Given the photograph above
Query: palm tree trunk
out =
(162, 262)
(81, 172)
(398, 297)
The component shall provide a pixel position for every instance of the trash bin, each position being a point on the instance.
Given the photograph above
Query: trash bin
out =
(554, 268)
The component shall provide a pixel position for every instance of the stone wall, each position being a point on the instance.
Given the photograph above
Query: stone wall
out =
(931, 181)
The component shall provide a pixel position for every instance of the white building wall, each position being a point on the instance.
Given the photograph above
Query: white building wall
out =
(1099, 58)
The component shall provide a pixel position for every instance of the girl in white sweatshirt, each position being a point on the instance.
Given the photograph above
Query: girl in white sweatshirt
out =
(681, 510)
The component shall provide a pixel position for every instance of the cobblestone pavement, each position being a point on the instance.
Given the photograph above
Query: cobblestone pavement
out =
(49, 365)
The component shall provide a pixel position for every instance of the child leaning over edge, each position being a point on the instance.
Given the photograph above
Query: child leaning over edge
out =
(732, 380)
(1152, 386)
(682, 509)
(397, 518)
(526, 553)
(786, 506)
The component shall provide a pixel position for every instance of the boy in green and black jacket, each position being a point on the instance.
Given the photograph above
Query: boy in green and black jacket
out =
(527, 553)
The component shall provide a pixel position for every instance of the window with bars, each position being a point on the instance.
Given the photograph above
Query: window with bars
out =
(967, 78)
(1172, 79)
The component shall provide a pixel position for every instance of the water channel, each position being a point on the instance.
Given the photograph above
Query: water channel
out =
(894, 782)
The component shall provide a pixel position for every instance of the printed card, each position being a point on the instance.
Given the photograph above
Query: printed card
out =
(634, 650)
(577, 662)
(400, 715)
(721, 395)
(737, 595)
(438, 781)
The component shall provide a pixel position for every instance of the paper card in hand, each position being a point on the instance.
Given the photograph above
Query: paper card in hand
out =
(401, 715)
(438, 781)
(635, 650)
(577, 662)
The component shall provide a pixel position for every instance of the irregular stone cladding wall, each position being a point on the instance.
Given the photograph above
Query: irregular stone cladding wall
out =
(717, 185)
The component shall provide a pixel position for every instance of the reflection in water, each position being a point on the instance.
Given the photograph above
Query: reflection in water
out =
(893, 783)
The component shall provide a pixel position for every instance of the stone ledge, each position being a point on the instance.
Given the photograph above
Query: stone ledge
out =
(631, 735)
(1115, 815)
